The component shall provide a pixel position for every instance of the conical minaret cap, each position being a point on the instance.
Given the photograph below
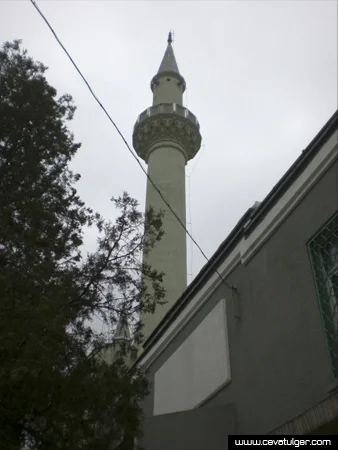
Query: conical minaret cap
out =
(168, 66)
(168, 63)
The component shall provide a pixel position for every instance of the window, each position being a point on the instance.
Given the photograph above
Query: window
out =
(323, 249)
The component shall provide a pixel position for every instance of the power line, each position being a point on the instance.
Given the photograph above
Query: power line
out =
(227, 285)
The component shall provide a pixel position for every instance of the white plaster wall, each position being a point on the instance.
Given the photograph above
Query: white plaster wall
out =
(166, 168)
(198, 368)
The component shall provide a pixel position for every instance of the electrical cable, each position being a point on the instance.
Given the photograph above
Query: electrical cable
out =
(227, 285)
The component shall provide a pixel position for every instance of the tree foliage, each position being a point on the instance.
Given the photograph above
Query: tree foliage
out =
(55, 393)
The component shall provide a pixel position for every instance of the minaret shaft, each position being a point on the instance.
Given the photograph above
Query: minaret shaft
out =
(166, 168)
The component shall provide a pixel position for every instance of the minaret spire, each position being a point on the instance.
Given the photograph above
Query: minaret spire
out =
(169, 63)
(121, 344)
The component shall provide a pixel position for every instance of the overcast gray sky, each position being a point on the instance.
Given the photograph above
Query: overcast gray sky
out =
(261, 78)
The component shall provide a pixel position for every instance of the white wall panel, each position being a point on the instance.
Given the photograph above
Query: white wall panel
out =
(198, 368)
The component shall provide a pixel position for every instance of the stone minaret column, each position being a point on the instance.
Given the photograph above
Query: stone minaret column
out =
(166, 136)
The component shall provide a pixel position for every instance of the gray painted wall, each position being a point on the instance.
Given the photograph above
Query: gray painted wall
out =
(280, 365)
(193, 430)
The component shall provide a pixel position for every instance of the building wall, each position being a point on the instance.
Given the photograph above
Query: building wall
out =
(199, 429)
(286, 367)
(279, 362)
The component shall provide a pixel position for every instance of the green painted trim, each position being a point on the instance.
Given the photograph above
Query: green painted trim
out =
(312, 242)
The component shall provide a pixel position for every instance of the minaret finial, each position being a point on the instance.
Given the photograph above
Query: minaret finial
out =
(170, 38)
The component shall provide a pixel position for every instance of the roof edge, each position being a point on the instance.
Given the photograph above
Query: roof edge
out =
(293, 172)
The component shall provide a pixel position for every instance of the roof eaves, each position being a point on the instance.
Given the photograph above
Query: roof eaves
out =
(293, 172)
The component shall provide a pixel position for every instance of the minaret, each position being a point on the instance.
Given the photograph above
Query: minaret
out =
(122, 333)
(121, 344)
(166, 136)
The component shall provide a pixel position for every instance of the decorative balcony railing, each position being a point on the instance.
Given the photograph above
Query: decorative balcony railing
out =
(168, 108)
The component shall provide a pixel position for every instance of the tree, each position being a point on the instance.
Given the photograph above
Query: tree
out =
(55, 393)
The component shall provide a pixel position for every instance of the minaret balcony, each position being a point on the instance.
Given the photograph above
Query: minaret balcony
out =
(168, 108)
(167, 121)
